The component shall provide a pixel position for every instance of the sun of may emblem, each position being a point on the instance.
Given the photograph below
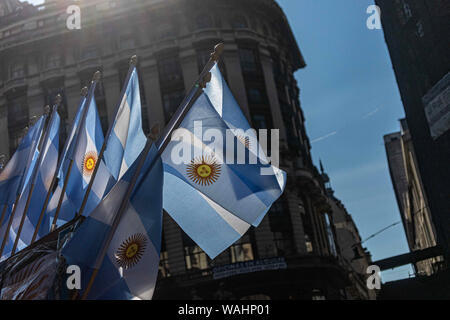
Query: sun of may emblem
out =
(131, 251)
(204, 170)
(89, 162)
(245, 141)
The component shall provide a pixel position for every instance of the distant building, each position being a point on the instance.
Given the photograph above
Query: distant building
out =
(417, 33)
(291, 254)
(352, 255)
(412, 202)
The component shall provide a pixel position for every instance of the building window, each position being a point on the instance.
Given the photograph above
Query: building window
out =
(281, 226)
(241, 252)
(171, 102)
(170, 69)
(403, 11)
(259, 121)
(420, 32)
(203, 21)
(127, 41)
(195, 257)
(239, 22)
(17, 70)
(53, 60)
(89, 52)
(330, 235)
(248, 60)
(164, 269)
(166, 31)
(255, 96)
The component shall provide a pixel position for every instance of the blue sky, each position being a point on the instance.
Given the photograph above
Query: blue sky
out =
(350, 99)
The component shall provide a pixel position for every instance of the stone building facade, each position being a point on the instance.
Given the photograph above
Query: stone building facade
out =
(411, 198)
(417, 34)
(290, 255)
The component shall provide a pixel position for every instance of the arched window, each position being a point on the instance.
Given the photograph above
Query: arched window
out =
(239, 22)
(17, 70)
(53, 60)
(203, 21)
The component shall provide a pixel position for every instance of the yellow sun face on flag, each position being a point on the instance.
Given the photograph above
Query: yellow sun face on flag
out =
(204, 170)
(244, 140)
(89, 162)
(131, 251)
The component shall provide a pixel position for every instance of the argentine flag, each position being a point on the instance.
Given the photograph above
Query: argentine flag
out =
(130, 268)
(67, 206)
(23, 162)
(11, 178)
(214, 202)
(42, 178)
(127, 139)
(88, 144)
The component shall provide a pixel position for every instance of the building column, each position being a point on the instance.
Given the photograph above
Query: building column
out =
(4, 135)
(155, 109)
(272, 92)
(112, 89)
(189, 65)
(235, 78)
(264, 239)
(73, 96)
(35, 100)
(296, 210)
(174, 245)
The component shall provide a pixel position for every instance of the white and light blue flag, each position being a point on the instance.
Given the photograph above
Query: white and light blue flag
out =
(25, 162)
(127, 139)
(42, 179)
(130, 267)
(213, 199)
(11, 178)
(85, 154)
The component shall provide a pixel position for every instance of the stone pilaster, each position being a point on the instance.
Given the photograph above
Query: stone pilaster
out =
(155, 109)
(4, 135)
(35, 100)
(112, 89)
(235, 79)
(272, 94)
(189, 65)
(73, 96)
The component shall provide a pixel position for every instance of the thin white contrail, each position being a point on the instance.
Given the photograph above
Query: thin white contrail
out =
(324, 137)
(371, 113)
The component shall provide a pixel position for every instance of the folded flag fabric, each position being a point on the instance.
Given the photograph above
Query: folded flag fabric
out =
(42, 179)
(88, 144)
(11, 178)
(130, 267)
(227, 195)
(127, 139)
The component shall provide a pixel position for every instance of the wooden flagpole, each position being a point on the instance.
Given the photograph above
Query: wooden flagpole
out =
(16, 202)
(36, 170)
(188, 102)
(133, 63)
(95, 80)
(84, 92)
(3, 213)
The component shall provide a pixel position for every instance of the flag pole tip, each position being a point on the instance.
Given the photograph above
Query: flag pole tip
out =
(84, 91)
(134, 60)
(218, 50)
(97, 76)
(47, 110)
(58, 99)
(155, 132)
